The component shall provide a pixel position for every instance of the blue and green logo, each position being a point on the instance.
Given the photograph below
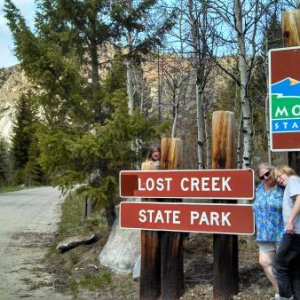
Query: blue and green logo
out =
(285, 105)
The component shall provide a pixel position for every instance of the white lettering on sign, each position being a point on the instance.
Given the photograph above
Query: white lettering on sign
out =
(159, 216)
(296, 110)
(280, 112)
(283, 112)
(202, 184)
(210, 219)
(159, 184)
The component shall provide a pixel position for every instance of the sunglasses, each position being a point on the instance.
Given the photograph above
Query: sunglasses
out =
(267, 174)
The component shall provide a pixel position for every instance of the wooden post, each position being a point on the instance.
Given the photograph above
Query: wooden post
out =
(291, 37)
(150, 265)
(291, 28)
(150, 256)
(225, 247)
(172, 279)
(162, 252)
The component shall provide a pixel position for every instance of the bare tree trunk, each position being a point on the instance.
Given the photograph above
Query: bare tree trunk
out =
(267, 110)
(268, 128)
(129, 88)
(199, 71)
(240, 126)
(142, 92)
(176, 108)
(130, 93)
(159, 87)
(200, 126)
(208, 147)
(239, 142)
(129, 71)
(244, 80)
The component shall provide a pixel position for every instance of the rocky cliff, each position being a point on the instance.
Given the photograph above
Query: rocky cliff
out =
(13, 83)
(156, 89)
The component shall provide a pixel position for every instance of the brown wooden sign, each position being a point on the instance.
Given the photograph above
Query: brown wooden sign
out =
(205, 184)
(188, 217)
(284, 92)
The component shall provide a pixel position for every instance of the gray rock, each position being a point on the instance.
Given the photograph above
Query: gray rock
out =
(136, 273)
(122, 249)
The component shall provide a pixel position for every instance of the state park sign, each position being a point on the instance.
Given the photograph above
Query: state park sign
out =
(201, 184)
(284, 98)
(188, 217)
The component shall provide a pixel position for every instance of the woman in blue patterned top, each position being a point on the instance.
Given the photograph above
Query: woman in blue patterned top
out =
(268, 219)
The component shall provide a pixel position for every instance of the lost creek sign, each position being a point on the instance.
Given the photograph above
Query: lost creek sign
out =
(188, 217)
(202, 184)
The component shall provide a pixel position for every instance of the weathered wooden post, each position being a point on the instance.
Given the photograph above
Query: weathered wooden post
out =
(225, 247)
(150, 257)
(172, 279)
(291, 37)
(162, 252)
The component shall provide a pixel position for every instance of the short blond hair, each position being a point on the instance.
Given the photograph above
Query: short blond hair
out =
(283, 169)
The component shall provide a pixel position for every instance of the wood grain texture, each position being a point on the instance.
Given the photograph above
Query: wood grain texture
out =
(225, 247)
(172, 277)
(150, 255)
(162, 252)
(291, 38)
(223, 154)
(171, 153)
(150, 265)
(291, 28)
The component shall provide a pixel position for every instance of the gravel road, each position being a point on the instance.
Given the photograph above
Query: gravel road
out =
(28, 221)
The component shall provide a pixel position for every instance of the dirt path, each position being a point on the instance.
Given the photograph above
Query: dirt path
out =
(28, 221)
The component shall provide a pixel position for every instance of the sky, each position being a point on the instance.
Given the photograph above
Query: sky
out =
(27, 8)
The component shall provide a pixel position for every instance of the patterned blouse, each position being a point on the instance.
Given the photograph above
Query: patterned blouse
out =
(268, 214)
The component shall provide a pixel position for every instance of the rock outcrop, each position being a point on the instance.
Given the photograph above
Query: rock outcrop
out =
(13, 83)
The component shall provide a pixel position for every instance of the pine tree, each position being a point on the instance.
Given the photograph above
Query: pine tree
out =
(86, 132)
(4, 165)
(273, 33)
(34, 174)
(80, 30)
(22, 136)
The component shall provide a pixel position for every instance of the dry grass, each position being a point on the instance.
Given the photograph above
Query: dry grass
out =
(79, 272)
